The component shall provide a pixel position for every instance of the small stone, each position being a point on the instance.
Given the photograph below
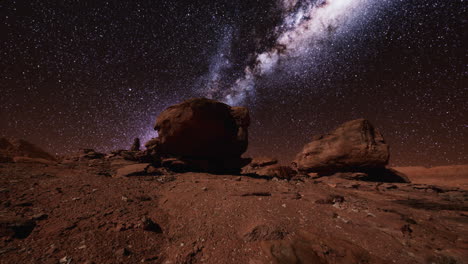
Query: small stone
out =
(284, 205)
(40, 216)
(65, 260)
(150, 225)
(204, 189)
(123, 252)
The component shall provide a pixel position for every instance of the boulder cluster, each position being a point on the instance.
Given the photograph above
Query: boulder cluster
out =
(209, 136)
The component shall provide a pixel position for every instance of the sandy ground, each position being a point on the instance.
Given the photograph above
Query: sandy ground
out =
(79, 213)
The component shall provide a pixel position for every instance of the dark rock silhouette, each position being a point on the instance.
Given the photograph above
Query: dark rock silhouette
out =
(204, 134)
(136, 145)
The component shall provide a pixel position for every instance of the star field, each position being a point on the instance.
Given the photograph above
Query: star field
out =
(95, 74)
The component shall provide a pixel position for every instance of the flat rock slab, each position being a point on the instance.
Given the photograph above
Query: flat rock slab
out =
(132, 170)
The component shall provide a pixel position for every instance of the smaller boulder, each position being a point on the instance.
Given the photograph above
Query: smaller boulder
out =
(269, 167)
(149, 225)
(263, 162)
(132, 170)
(90, 154)
(354, 146)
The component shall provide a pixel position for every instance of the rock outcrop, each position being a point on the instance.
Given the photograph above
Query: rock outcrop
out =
(354, 146)
(136, 145)
(12, 147)
(204, 134)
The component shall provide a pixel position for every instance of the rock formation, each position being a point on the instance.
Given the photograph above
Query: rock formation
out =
(12, 147)
(204, 134)
(268, 167)
(136, 145)
(354, 146)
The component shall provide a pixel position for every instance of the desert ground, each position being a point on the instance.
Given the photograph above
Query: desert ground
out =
(76, 212)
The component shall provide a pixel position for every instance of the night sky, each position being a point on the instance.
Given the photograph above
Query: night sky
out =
(95, 74)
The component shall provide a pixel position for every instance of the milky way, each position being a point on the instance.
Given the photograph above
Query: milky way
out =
(304, 27)
(95, 74)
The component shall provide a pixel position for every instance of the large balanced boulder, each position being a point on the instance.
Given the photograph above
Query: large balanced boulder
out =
(354, 146)
(206, 134)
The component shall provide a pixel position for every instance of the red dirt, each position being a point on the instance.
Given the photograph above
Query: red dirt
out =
(83, 215)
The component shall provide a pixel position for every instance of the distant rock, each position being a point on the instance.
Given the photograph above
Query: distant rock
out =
(269, 167)
(132, 170)
(206, 134)
(12, 147)
(354, 146)
(263, 162)
(136, 145)
(91, 154)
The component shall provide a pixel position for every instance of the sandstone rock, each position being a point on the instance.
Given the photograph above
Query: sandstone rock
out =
(210, 134)
(354, 146)
(132, 170)
(11, 147)
(269, 167)
(175, 165)
(278, 171)
(263, 161)
(90, 154)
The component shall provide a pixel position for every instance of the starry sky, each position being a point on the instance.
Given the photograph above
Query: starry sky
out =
(95, 74)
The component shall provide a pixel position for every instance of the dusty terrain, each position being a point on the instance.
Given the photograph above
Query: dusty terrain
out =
(76, 212)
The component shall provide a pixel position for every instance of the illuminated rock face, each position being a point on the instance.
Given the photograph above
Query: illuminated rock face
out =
(356, 145)
(203, 131)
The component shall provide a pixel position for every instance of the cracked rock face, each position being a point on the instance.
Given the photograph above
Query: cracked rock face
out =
(354, 146)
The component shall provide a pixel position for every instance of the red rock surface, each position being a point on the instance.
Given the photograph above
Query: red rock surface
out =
(83, 215)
